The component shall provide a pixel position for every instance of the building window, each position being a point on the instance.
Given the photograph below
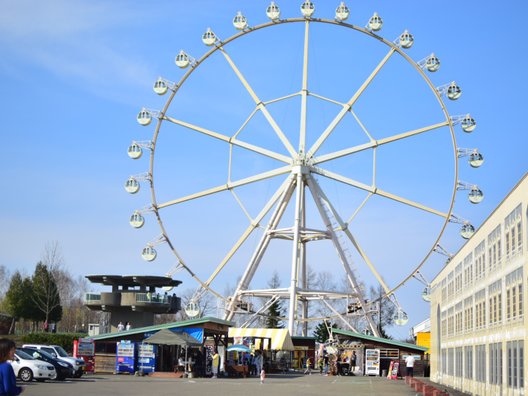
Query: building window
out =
(458, 318)
(444, 324)
(513, 232)
(468, 269)
(514, 295)
(450, 285)
(451, 361)
(458, 279)
(444, 361)
(495, 302)
(450, 322)
(444, 290)
(468, 367)
(495, 363)
(515, 369)
(480, 309)
(459, 358)
(480, 260)
(480, 363)
(494, 248)
(468, 314)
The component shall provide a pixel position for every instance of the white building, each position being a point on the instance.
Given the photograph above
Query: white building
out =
(478, 309)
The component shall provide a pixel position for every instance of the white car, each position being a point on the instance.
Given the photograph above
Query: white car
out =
(59, 353)
(28, 368)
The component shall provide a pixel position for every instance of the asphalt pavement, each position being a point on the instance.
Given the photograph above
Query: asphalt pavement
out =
(274, 385)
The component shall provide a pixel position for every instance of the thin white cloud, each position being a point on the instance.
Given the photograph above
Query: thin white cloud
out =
(73, 39)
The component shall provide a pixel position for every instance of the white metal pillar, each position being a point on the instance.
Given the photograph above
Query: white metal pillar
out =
(296, 251)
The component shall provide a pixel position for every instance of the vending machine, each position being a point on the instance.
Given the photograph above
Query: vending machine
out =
(125, 357)
(84, 349)
(372, 361)
(146, 362)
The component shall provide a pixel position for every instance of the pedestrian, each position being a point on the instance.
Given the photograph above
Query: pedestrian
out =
(252, 367)
(320, 364)
(258, 362)
(8, 385)
(353, 361)
(409, 362)
(216, 363)
(120, 326)
(326, 364)
(128, 326)
(308, 366)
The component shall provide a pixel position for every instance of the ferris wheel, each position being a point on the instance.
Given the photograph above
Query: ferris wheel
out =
(309, 159)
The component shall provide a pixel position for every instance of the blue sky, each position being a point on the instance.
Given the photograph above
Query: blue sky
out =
(75, 73)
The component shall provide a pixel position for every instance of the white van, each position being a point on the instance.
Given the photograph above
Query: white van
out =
(28, 368)
(59, 352)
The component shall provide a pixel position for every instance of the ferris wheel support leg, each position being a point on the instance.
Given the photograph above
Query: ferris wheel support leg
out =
(296, 252)
(303, 270)
(319, 196)
(262, 246)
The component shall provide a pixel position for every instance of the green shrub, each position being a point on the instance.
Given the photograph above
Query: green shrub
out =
(65, 340)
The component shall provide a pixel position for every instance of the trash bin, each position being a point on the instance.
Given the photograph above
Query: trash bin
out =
(384, 373)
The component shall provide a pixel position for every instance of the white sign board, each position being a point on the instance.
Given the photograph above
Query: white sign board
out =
(372, 361)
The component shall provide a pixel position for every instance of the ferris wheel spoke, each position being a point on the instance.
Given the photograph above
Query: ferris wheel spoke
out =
(410, 203)
(233, 141)
(408, 134)
(376, 143)
(254, 224)
(304, 89)
(260, 105)
(228, 186)
(348, 105)
(377, 191)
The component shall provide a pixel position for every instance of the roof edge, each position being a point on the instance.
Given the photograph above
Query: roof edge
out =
(379, 339)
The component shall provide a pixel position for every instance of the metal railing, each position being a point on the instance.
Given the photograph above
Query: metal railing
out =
(152, 298)
(92, 297)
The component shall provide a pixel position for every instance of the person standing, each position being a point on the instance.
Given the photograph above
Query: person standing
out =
(128, 326)
(258, 362)
(216, 363)
(120, 326)
(308, 366)
(409, 362)
(8, 385)
(320, 364)
(353, 361)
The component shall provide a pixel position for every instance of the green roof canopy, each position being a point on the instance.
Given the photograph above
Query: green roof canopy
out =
(379, 340)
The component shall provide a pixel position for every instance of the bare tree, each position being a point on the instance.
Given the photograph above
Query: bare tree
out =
(206, 304)
(53, 259)
(5, 276)
(45, 295)
(52, 256)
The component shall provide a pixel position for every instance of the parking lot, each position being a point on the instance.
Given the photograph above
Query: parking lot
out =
(289, 384)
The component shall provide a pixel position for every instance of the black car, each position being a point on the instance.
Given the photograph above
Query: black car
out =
(64, 369)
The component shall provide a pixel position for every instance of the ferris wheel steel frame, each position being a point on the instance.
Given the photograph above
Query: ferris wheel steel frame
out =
(301, 166)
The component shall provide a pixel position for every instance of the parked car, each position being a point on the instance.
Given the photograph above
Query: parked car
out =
(27, 368)
(64, 369)
(59, 352)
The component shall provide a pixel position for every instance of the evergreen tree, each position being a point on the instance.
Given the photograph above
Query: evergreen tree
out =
(17, 301)
(46, 295)
(321, 333)
(275, 310)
